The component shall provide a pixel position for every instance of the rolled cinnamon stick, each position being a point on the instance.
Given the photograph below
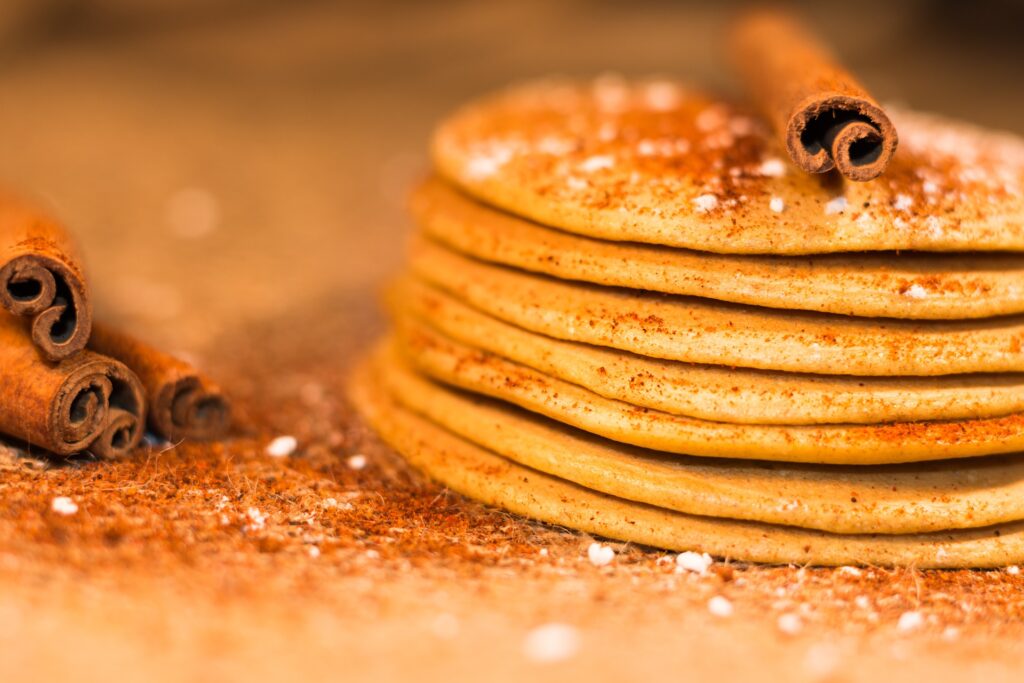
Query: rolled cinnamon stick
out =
(61, 407)
(825, 117)
(182, 402)
(41, 279)
(125, 421)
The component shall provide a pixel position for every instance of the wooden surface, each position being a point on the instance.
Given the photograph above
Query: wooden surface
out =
(237, 180)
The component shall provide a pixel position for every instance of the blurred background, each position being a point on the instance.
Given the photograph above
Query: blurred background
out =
(229, 161)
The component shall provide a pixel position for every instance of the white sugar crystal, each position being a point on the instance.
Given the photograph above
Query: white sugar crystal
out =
(575, 183)
(790, 624)
(314, 551)
(849, 571)
(63, 505)
(835, 205)
(600, 554)
(916, 291)
(485, 163)
(777, 205)
(596, 163)
(256, 519)
(910, 621)
(903, 202)
(862, 602)
(282, 447)
(356, 462)
(705, 202)
(772, 168)
(929, 187)
(693, 562)
(720, 606)
(1013, 570)
(551, 643)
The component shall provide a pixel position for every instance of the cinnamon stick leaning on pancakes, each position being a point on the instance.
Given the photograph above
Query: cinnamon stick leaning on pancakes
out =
(63, 407)
(182, 403)
(41, 279)
(826, 118)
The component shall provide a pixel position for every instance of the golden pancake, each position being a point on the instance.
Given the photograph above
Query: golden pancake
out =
(485, 476)
(894, 499)
(714, 392)
(715, 333)
(911, 286)
(659, 163)
(485, 373)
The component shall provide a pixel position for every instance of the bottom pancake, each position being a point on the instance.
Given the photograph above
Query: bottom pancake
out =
(497, 481)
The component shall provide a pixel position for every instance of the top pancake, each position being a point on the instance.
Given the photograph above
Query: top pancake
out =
(659, 163)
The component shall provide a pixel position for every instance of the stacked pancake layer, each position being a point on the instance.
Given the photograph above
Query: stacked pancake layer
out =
(623, 313)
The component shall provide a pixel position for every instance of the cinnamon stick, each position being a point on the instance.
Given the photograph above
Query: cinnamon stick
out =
(125, 421)
(826, 118)
(41, 279)
(182, 402)
(61, 407)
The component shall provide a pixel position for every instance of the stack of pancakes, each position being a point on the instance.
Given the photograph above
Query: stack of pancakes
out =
(626, 313)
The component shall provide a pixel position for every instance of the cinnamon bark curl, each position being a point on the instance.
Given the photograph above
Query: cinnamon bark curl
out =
(41, 279)
(825, 117)
(182, 403)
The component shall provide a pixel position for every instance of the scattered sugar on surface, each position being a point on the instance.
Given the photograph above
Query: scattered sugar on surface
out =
(600, 554)
(693, 562)
(790, 624)
(551, 643)
(720, 606)
(777, 204)
(910, 621)
(63, 505)
(356, 462)
(282, 447)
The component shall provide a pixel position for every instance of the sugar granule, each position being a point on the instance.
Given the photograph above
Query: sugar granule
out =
(916, 291)
(596, 163)
(790, 624)
(835, 205)
(551, 643)
(910, 621)
(777, 205)
(720, 606)
(356, 462)
(282, 447)
(600, 554)
(693, 562)
(705, 202)
(772, 168)
(63, 505)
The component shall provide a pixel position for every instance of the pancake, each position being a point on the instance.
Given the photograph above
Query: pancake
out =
(715, 333)
(659, 163)
(481, 372)
(909, 286)
(487, 477)
(713, 392)
(894, 499)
